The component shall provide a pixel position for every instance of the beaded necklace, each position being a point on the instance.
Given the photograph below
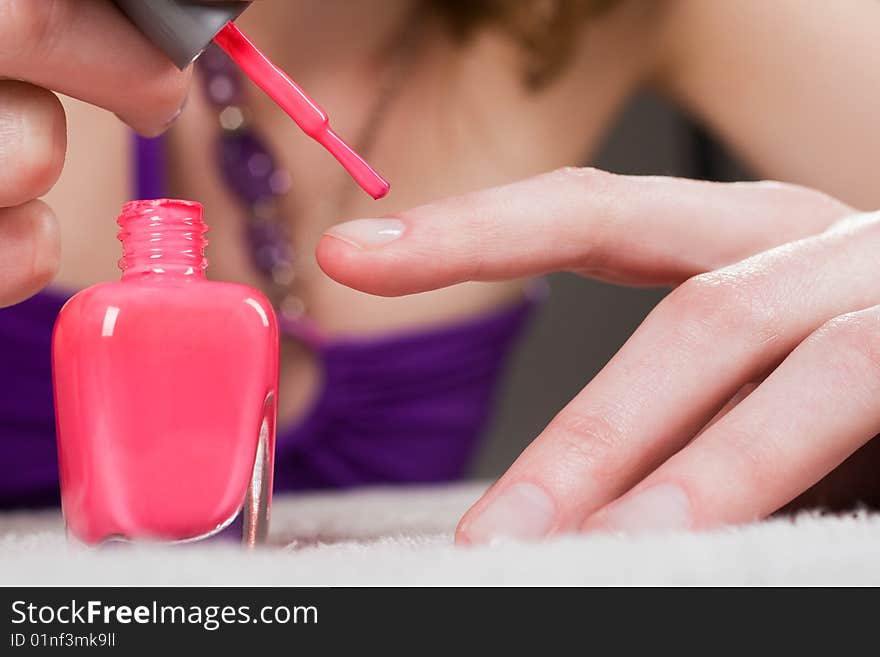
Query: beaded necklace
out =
(259, 184)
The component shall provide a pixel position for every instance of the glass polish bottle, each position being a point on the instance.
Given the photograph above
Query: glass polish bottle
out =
(165, 392)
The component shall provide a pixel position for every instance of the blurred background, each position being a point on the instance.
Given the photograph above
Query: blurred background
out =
(583, 323)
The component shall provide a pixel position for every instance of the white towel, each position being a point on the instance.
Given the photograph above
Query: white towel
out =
(404, 537)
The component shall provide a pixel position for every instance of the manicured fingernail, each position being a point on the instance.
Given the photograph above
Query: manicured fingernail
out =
(522, 511)
(664, 507)
(367, 233)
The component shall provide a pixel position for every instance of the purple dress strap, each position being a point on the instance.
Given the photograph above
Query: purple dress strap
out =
(149, 169)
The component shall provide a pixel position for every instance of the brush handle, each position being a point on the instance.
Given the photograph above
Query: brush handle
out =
(181, 28)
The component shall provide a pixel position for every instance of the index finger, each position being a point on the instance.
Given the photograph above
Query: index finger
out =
(87, 49)
(633, 229)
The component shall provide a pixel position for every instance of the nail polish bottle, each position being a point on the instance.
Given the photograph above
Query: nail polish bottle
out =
(165, 392)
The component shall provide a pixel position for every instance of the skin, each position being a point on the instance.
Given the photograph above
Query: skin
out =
(46, 49)
(770, 282)
(800, 318)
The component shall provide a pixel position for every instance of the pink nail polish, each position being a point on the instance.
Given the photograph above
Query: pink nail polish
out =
(165, 392)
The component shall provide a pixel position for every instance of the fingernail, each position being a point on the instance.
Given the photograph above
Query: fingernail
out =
(176, 115)
(522, 511)
(366, 233)
(664, 507)
(173, 118)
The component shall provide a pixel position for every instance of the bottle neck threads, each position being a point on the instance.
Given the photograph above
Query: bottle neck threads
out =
(162, 238)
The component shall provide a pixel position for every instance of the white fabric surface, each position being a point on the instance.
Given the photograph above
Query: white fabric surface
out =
(404, 537)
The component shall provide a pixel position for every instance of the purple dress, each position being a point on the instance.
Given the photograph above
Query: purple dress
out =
(404, 408)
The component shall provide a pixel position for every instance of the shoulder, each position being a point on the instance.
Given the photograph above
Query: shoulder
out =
(694, 36)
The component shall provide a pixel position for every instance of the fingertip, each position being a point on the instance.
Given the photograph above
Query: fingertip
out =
(45, 239)
(46, 148)
(47, 257)
(337, 258)
(34, 131)
(361, 269)
(518, 511)
(595, 523)
(169, 92)
(461, 537)
(31, 251)
(662, 507)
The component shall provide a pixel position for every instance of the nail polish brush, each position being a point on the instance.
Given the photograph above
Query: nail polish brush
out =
(184, 29)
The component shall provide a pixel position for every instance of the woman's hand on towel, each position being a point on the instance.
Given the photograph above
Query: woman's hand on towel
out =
(755, 378)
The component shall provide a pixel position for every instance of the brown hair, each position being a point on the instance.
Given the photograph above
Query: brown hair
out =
(546, 29)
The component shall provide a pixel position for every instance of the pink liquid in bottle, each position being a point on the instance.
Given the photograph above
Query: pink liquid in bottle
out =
(165, 389)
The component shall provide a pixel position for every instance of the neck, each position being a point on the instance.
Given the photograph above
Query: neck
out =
(296, 33)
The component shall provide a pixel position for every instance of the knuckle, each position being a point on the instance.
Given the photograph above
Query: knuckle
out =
(854, 338)
(483, 229)
(723, 302)
(596, 193)
(576, 177)
(588, 439)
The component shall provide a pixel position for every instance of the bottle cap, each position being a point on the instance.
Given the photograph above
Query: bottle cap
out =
(181, 28)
